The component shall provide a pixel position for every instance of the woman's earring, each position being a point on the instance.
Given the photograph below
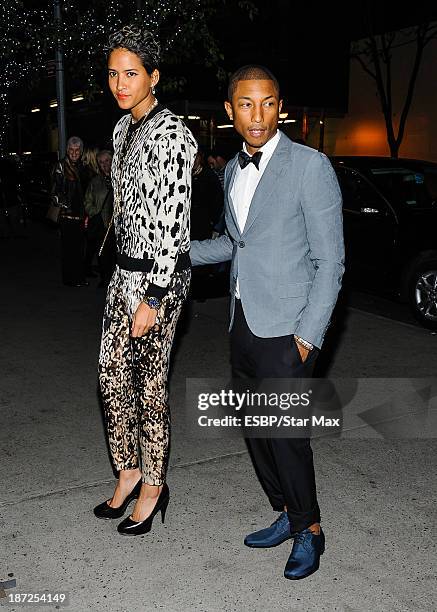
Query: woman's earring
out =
(153, 90)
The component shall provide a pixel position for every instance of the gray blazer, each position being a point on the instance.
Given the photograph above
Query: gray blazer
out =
(289, 257)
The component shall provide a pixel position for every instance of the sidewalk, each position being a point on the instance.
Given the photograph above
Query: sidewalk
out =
(376, 496)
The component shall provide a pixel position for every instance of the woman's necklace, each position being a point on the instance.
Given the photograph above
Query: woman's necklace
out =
(148, 111)
(125, 148)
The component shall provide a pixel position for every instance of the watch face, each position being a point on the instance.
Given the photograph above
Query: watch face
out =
(153, 302)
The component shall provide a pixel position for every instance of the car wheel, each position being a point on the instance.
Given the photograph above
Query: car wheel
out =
(422, 294)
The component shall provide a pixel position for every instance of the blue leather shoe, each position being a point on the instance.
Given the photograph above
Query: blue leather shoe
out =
(305, 555)
(278, 532)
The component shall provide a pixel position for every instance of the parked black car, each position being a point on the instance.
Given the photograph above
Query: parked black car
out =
(390, 227)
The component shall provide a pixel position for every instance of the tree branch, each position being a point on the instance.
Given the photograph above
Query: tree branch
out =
(378, 72)
(387, 61)
(430, 34)
(376, 54)
(421, 33)
(364, 66)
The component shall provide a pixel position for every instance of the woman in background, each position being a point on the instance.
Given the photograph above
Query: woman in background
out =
(91, 168)
(99, 200)
(89, 161)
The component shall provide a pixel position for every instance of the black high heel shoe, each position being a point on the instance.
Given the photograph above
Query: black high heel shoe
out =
(130, 527)
(104, 511)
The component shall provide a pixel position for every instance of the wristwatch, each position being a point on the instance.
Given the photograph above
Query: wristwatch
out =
(152, 302)
(304, 343)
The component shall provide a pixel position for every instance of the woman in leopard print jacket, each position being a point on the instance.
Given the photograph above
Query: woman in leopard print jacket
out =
(151, 173)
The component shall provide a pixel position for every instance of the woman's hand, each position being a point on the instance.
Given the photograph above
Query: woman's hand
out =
(144, 319)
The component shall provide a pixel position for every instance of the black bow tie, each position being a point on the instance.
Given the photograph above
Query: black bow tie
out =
(244, 159)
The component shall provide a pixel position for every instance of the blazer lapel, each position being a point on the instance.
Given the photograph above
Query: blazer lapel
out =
(228, 189)
(269, 181)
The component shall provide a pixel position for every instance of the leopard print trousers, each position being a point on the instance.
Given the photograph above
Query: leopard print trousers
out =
(133, 375)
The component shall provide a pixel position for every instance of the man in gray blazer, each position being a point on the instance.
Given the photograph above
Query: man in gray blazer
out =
(285, 239)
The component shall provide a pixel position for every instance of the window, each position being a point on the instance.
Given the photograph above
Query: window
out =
(357, 192)
(413, 188)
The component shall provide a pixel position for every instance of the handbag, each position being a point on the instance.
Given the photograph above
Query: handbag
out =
(53, 212)
(56, 203)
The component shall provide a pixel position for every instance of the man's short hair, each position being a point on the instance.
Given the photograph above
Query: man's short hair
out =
(250, 72)
(75, 140)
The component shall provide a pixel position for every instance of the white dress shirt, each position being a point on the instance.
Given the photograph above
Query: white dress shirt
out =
(245, 183)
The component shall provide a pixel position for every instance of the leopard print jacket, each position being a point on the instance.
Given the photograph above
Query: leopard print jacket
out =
(154, 183)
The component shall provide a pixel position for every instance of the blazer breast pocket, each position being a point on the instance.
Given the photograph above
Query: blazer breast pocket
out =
(294, 289)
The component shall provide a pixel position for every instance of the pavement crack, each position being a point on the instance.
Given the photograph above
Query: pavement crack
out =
(374, 315)
(90, 485)
(208, 459)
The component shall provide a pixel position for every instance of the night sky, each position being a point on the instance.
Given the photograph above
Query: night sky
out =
(309, 55)
(305, 44)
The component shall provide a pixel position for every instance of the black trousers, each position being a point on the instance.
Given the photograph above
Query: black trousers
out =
(72, 251)
(95, 236)
(93, 239)
(284, 466)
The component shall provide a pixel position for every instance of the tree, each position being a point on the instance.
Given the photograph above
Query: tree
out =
(182, 26)
(20, 56)
(375, 54)
(29, 36)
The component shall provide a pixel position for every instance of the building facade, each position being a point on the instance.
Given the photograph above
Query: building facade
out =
(362, 131)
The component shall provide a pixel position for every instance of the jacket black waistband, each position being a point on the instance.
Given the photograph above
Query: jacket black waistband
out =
(145, 265)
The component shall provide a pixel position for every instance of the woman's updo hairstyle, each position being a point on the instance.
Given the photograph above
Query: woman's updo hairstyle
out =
(139, 41)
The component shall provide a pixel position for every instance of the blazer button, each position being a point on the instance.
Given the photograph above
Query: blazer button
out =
(241, 244)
